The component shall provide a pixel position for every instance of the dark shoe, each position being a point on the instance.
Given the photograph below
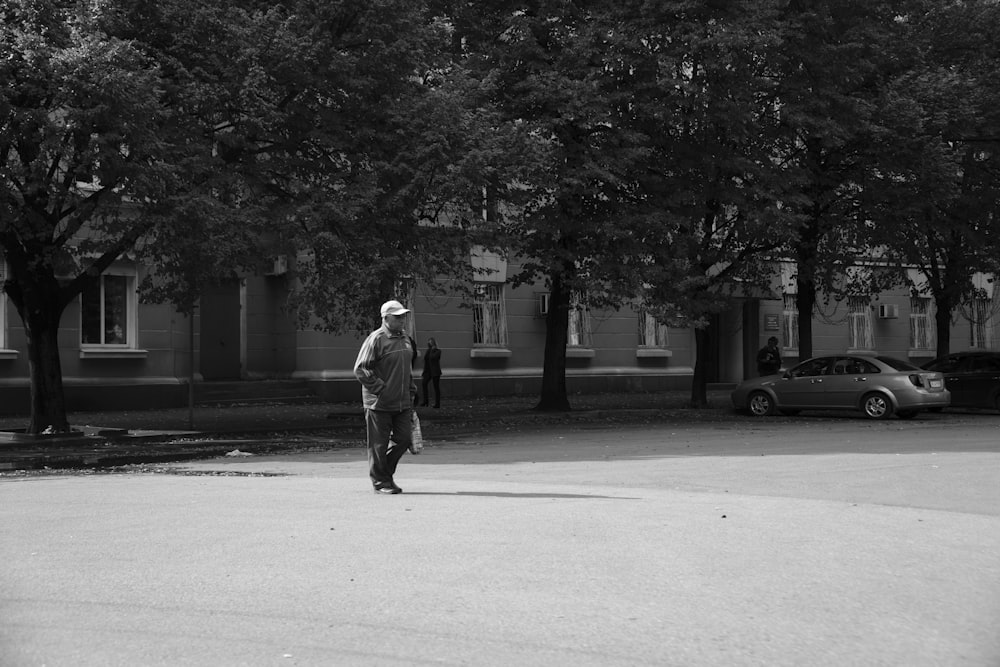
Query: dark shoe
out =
(388, 490)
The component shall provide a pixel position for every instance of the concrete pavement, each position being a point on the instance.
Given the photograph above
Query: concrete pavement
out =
(789, 542)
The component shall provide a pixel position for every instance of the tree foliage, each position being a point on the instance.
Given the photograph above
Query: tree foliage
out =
(831, 63)
(566, 72)
(667, 152)
(937, 184)
(719, 191)
(82, 152)
(205, 137)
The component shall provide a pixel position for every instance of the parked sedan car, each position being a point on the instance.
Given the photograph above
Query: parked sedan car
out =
(878, 386)
(973, 378)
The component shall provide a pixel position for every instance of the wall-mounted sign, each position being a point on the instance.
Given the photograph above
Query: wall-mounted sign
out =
(771, 323)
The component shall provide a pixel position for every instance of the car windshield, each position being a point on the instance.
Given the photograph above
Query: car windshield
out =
(898, 364)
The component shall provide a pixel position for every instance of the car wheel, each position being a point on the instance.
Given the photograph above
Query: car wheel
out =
(876, 406)
(907, 414)
(760, 404)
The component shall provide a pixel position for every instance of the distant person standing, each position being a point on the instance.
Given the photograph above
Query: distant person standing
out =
(388, 393)
(769, 358)
(432, 372)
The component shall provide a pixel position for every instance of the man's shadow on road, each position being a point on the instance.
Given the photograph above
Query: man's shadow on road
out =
(505, 494)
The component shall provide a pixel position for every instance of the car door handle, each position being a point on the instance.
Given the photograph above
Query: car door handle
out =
(861, 379)
(818, 381)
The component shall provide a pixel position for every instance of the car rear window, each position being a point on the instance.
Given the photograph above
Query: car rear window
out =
(945, 364)
(898, 364)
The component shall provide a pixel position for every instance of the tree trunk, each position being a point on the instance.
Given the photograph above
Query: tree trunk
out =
(942, 322)
(48, 402)
(554, 397)
(805, 302)
(699, 383)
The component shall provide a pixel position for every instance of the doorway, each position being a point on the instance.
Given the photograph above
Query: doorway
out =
(223, 347)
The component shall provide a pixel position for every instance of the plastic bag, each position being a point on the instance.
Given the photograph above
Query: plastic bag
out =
(417, 436)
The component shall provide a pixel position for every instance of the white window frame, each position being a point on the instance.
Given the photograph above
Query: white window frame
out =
(923, 328)
(406, 288)
(103, 348)
(489, 317)
(789, 308)
(982, 313)
(652, 333)
(789, 323)
(923, 336)
(980, 325)
(860, 324)
(578, 329)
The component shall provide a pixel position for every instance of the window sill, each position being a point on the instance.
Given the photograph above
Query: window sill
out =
(653, 353)
(112, 353)
(579, 353)
(922, 354)
(9, 354)
(863, 353)
(489, 353)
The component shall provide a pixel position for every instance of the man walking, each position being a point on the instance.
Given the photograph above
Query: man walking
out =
(388, 392)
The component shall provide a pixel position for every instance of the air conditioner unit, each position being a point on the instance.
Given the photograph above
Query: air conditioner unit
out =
(280, 266)
(888, 311)
(543, 303)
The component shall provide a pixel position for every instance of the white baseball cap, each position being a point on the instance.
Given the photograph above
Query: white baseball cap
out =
(393, 308)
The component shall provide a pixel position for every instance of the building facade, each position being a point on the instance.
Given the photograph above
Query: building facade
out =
(118, 353)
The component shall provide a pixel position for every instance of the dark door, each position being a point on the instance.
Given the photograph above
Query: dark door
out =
(221, 332)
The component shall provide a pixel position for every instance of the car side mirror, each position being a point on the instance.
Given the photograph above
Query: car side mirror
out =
(786, 375)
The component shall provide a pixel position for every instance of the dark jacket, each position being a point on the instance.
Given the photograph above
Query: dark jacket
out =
(383, 368)
(768, 360)
(432, 363)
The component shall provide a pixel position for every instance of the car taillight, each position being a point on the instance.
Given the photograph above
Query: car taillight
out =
(916, 380)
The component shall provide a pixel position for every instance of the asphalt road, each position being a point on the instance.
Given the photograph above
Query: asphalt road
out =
(815, 541)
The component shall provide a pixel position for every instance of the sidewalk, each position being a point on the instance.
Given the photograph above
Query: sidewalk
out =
(114, 438)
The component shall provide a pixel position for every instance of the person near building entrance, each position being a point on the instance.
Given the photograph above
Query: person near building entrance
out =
(388, 392)
(432, 372)
(769, 358)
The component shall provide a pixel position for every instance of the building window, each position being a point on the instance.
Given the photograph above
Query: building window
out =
(404, 291)
(981, 320)
(859, 320)
(651, 332)
(578, 332)
(790, 323)
(489, 316)
(107, 312)
(921, 324)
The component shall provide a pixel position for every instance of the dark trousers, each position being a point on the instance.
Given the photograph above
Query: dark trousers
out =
(437, 389)
(389, 436)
